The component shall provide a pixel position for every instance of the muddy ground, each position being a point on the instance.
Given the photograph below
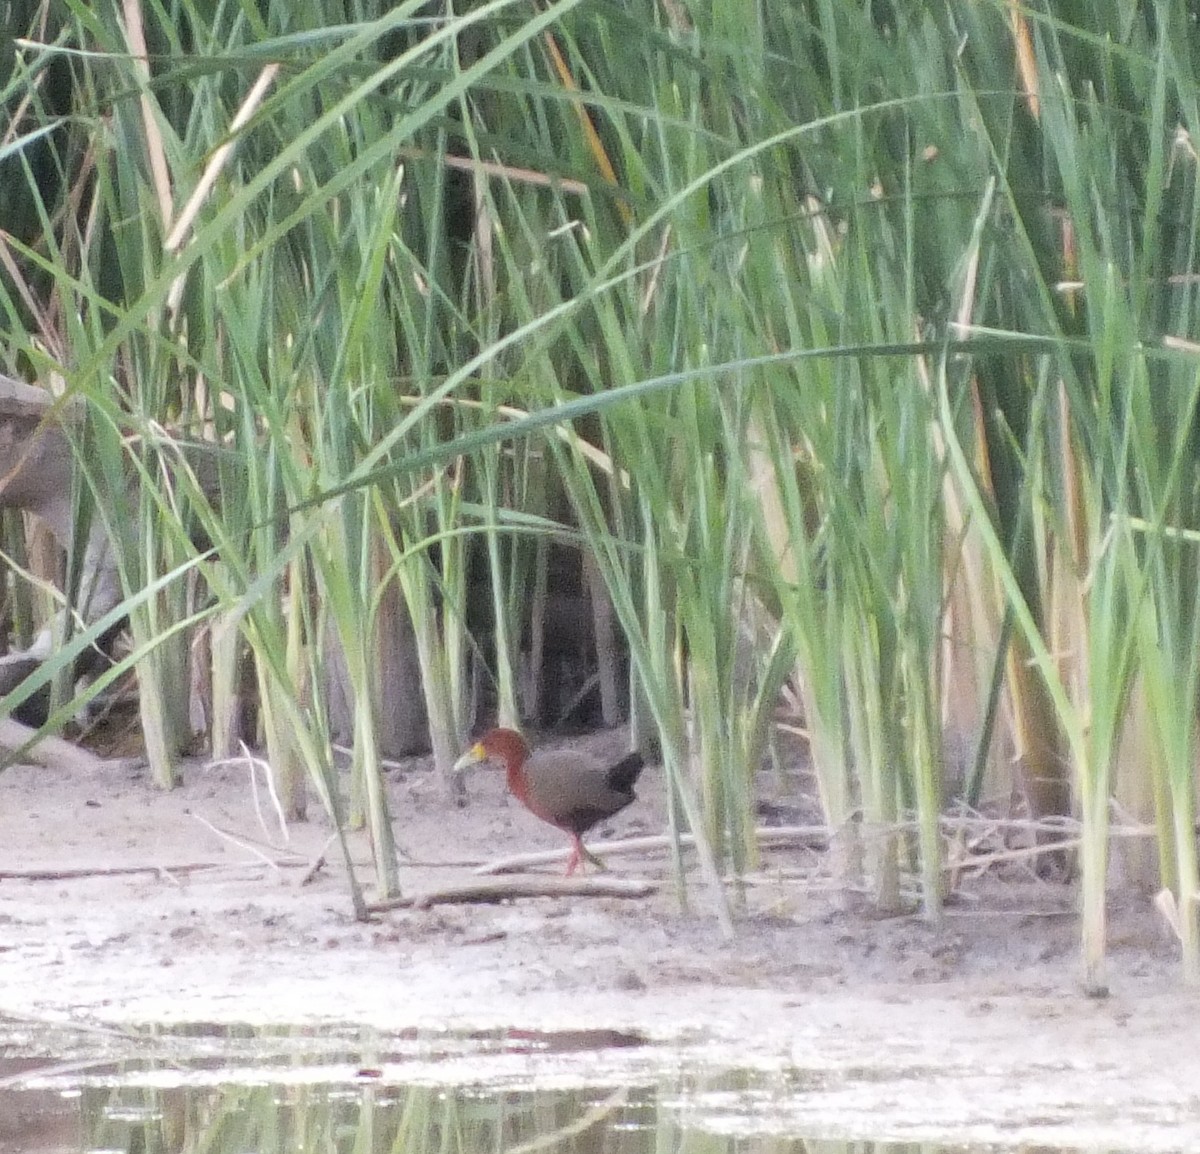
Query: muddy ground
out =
(981, 1023)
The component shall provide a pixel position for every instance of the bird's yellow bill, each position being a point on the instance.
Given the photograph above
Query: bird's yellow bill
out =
(473, 756)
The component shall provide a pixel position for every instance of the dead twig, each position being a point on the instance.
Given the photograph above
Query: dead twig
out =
(240, 842)
(253, 765)
(508, 888)
(814, 836)
(72, 873)
(979, 862)
(318, 863)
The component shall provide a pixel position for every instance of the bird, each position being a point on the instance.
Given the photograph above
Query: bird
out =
(563, 787)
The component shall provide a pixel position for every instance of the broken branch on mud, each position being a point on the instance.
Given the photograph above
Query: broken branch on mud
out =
(503, 890)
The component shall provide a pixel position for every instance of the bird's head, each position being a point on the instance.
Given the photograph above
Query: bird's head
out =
(505, 746)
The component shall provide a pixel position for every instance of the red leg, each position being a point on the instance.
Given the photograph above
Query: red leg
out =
(577, 852)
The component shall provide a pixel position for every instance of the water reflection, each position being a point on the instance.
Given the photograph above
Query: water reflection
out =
(417, 1120)
(320, 1090)
(366, 1119)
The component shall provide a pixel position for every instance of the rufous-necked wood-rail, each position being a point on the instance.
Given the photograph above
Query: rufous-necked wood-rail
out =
(564, 787)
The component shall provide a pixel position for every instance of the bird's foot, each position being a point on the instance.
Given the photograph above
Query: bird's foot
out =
(581, 854)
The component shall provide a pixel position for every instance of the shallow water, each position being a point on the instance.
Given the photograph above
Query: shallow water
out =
(223, 1089)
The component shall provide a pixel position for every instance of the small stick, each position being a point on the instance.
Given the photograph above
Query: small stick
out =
(72, 873)
(318, 863)
(499, 891)
(767, 836)
(239, 842)
(980, 862)
(253, 764)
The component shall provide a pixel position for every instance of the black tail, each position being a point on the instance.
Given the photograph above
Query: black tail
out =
(622, 775)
